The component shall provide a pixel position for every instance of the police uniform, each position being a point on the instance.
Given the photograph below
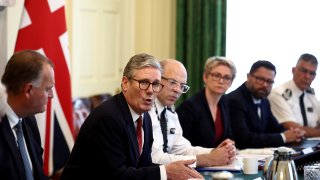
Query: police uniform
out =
(285, 104)
(178, 147)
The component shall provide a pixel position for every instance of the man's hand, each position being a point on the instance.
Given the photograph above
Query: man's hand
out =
(294, 135)
(224, 154)
(180, 170)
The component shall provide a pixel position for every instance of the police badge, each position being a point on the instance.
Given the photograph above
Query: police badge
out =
(287, 94)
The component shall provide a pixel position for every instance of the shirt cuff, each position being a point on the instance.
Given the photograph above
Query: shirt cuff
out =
(163, 173)
(193, 165)
(283, 138)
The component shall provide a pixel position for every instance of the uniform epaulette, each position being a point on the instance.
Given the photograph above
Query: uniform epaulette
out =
(287, 94)
(310, 91)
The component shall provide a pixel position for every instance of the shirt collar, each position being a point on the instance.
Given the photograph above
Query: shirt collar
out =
(159, 105)
(134, 115)
(256, 101)
(12, 116)
(295, 88)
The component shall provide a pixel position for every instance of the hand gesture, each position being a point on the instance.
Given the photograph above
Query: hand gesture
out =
(181, 170)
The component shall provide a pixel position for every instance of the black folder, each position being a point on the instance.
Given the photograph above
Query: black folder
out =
(303, 157)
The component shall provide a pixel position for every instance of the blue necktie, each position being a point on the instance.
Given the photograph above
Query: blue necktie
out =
(23, 151)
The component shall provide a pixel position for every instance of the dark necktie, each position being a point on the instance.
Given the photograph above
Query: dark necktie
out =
(23, 151)
(303, 110)
(163, 125)
(139, 133)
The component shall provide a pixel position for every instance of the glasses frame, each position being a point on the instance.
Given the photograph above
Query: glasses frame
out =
(261, 80)
(218, 77)
(142, 86)
(184, 88)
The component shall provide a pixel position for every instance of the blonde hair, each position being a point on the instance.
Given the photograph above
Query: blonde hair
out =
(217, 61)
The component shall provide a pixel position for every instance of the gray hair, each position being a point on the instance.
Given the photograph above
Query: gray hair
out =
(140, 61)
(23, 67)
(308, 58)
(217, 61)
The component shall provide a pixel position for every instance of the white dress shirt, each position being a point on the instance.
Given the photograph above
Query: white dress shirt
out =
(285, 104)
(179, 148)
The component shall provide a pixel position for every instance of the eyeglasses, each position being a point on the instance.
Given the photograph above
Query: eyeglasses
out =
(306, 71)
(173, 83)
(218, 77)
(144, 85)
(261, 80)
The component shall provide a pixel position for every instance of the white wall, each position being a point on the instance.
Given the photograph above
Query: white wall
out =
(3, 40)
(273, 30)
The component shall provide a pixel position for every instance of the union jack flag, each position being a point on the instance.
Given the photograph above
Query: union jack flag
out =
(43, 28)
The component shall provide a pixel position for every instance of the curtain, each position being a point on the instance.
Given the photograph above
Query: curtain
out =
(201, 33)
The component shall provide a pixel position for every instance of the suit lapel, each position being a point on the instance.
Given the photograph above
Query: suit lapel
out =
(133, 139)
(146, 129)
(252, 110)
(263, 108)
(11, 140)
(130, 128)
(224, 117)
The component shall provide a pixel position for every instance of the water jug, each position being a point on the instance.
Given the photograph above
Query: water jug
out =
(280, 166)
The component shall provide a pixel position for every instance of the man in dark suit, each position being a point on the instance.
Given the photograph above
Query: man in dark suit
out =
(29, 79)
(252, 121)
(111, 143)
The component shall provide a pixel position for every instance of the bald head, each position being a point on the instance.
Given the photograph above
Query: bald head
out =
(174, 78)
(172, 66)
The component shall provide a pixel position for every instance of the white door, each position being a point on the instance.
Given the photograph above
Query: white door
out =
(102, 39)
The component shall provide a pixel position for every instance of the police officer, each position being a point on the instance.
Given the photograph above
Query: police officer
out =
(294, 103)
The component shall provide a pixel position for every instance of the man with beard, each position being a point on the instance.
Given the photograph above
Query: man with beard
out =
(253, 124)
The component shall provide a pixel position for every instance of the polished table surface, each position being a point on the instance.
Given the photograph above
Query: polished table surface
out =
(310, 142)
(240, 175)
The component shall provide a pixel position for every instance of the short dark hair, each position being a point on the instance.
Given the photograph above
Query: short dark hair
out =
(262, 63)
(23, 67)
(308, 58)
